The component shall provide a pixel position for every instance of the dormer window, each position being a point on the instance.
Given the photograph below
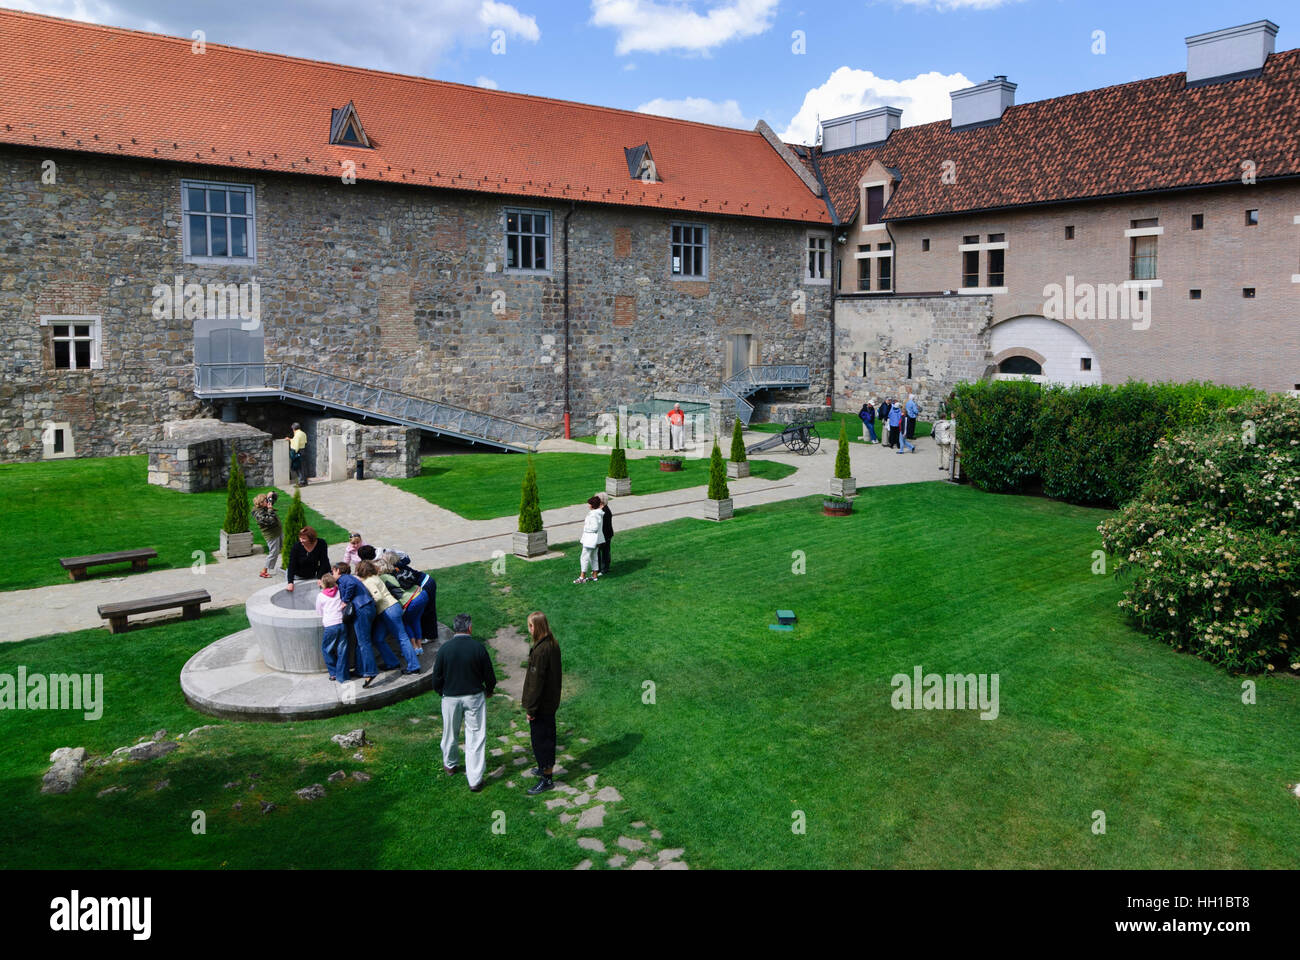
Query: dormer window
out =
(641, 165)
(346, 129)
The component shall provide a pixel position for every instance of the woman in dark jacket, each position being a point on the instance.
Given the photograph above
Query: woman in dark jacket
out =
(308, 559)
(541, 698)
(602, 551)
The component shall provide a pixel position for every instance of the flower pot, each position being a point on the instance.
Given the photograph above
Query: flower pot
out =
(737, 470)
(670, 466)
(837, 508)
(844, 487)
(530, 544)
(618, 487)
(718, 509)
(236, 545)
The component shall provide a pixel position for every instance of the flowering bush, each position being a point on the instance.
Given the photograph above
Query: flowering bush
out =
(1210, 540)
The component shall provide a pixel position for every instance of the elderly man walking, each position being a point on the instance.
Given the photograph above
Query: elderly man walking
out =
(676, 425)
(463, 677)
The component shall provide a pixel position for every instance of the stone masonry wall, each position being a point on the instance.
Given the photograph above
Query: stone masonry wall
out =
(386, 284)
(947, 338)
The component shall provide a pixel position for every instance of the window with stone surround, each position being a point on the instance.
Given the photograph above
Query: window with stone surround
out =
(218, 222)
(690, 251)
(1143, 235)
(74, 342)
(528, 241)
(818, 258)
(997, 261)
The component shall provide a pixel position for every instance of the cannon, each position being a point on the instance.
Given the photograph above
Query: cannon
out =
(801, 438)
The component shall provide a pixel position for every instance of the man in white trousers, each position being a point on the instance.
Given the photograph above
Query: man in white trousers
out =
(464, 678)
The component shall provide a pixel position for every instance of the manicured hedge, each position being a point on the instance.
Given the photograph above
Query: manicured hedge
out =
(1087, 445)
(1209, 542)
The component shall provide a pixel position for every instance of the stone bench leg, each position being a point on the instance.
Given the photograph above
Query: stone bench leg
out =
(190, 611)
(117, 624)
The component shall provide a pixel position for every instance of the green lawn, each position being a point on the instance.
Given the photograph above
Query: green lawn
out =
(69, 508)
(481, 486)
(830, 429)
(748, 726)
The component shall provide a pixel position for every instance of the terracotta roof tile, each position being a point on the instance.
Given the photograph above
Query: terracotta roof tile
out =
(1149, 135)
(77, 86)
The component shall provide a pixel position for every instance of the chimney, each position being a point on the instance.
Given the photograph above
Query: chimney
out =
(1229, 54)
(870, 126)
(982, 103)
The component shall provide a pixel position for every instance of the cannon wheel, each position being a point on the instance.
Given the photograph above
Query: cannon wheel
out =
(801, 438)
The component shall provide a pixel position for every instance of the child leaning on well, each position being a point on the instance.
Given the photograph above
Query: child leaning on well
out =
(334, 643)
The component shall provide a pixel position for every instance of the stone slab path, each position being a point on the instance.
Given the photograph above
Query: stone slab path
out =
(436, 538)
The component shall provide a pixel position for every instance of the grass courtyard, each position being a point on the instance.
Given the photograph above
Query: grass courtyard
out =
(748, 727)
(482, 486)
(72, 508)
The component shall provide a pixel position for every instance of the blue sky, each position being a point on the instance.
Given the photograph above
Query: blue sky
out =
(720, 61)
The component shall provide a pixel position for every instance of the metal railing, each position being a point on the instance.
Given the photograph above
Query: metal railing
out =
(744, 409)
(213, 380)
(765, 376)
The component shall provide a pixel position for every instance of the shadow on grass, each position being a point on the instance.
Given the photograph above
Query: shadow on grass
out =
(602, 755)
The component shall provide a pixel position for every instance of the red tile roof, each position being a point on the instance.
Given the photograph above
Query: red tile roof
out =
(77, 86)
(1155, 134)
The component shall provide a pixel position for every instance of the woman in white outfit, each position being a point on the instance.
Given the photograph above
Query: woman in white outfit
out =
(593, 535)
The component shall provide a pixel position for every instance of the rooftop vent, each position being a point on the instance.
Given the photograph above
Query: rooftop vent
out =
(1229, 54)
(345, 128)
(982, 103)
(641, 165)
(870, 126)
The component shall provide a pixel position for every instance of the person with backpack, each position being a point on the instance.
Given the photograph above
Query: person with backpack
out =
(868, 416)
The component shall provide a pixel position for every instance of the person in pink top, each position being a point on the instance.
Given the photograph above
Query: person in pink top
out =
(334, 643)
(350, 552)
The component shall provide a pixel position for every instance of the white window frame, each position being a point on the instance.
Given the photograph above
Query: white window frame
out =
(704, 248)
(878, 255)
(550, 241)
(48, 429)
(251, 217)
(96, 338)
(884, 202)
(825, 250)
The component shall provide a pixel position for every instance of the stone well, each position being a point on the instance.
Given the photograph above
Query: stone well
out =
(287, 628)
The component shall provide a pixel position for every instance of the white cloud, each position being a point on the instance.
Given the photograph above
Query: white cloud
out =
(408, 36)
(644, 25)
(726, 113)
(958, 4)
(487, 83)
(922, 99)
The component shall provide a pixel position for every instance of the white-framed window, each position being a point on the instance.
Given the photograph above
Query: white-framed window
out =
(528, 241)
(817, 258)
(75, 342)
(56, 441)
(689, 253)
(218, 222)
(875, 268)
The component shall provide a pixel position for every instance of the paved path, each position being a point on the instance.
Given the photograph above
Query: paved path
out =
(437, 538)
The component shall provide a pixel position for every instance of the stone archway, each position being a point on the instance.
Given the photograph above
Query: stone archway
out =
(1061, 352)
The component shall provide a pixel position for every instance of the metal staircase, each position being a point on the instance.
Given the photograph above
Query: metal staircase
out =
(740, 387)
(286, 381)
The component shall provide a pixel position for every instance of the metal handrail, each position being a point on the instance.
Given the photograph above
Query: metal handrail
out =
(744, 409)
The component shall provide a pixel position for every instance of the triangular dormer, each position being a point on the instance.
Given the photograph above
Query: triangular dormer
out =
(346, 129)
(641, 165)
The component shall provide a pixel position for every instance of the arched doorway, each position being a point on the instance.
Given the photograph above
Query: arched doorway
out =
(1043, 350)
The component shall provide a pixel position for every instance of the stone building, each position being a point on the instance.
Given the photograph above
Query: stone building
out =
(1149, 230)
(172, 236)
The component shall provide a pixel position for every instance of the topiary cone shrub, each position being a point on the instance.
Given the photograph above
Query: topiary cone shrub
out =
(236, 538)
(1209, 546)
(295, 518)
(717, 506)
(738, 462)
(843, 484)
(530, 540)
(617, 483)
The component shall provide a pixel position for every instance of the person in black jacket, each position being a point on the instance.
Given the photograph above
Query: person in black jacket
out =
(602, 551)
(464, 678)
(308, 558)
(541, 698)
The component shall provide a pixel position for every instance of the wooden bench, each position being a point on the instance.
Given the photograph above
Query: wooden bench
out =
(139, 560)
(116, 613)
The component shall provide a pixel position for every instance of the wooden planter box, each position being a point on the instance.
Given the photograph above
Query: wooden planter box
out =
(236, 545)
(618, 488)
(530, 544)
(737, 470)
(718, 509)
(837, 508)
(670, 466)
(846, 487)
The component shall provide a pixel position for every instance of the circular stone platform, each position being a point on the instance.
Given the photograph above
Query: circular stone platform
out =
(230, 678)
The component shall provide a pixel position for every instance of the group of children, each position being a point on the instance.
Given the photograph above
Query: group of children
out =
(367, 598)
